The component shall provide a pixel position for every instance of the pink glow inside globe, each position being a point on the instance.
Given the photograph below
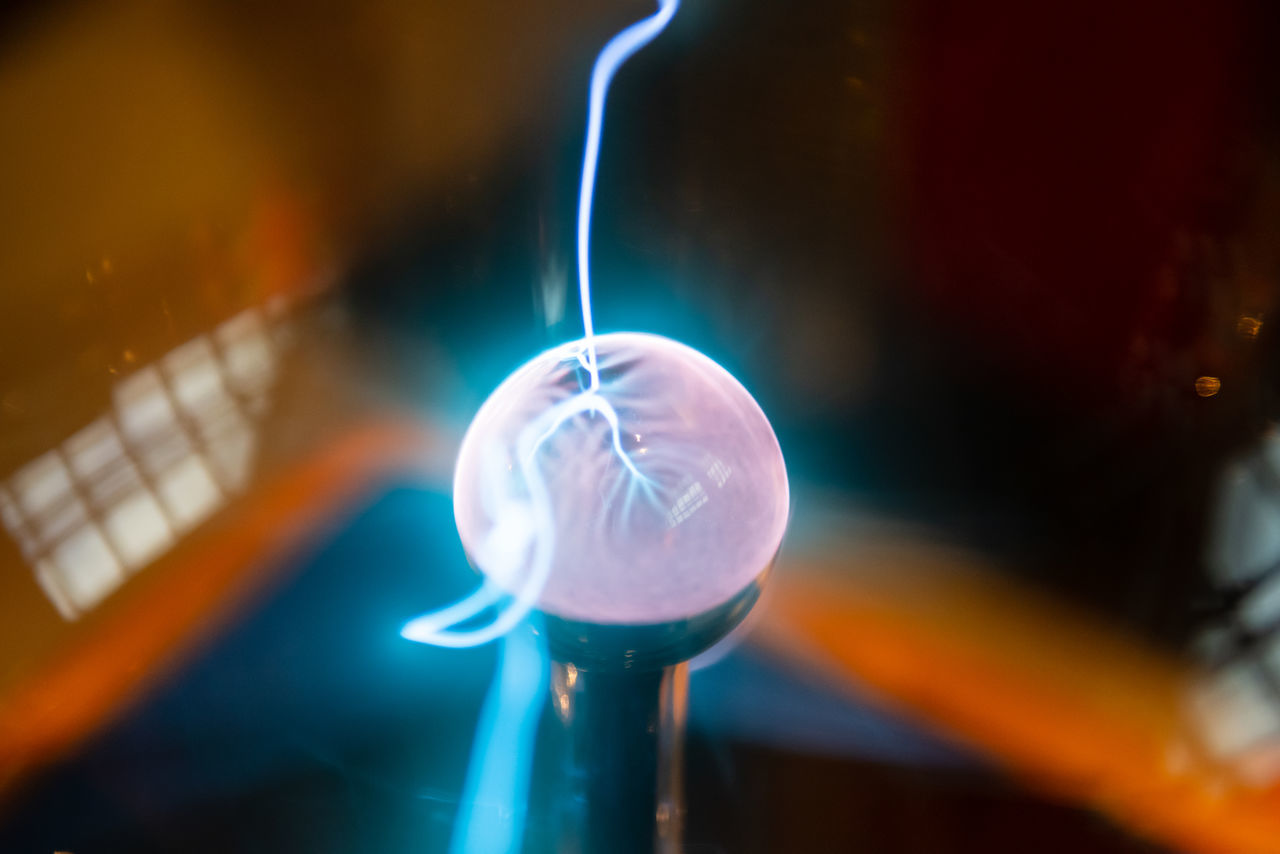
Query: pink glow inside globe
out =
(657, 497)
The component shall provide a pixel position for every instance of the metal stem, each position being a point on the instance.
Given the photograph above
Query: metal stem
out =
(621, 743)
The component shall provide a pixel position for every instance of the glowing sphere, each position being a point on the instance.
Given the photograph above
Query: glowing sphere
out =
(655, 498)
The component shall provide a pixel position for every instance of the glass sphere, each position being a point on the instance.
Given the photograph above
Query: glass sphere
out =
(656, 497)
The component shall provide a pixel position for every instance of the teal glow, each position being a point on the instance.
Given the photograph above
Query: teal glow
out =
(492, 811)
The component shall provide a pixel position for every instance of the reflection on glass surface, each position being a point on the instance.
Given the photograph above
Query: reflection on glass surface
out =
(179, 440)
(1235, 706)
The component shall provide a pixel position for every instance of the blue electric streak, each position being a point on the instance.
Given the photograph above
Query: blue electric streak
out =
(491, 816)
(616, 52)
(440, 627)
(491, 819)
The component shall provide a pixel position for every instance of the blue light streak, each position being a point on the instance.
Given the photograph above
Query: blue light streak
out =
(616, 52)
(440, 627)
(492, 811)
(491, 817)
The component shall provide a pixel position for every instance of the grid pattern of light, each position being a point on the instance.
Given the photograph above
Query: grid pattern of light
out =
(178, 440)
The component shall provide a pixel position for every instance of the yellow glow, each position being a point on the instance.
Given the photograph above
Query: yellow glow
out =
(1248, 326)
(1208, 386)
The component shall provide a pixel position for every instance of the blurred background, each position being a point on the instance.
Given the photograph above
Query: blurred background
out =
(1001, 274)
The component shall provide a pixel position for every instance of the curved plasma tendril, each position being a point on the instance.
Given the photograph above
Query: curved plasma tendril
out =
(442, 627)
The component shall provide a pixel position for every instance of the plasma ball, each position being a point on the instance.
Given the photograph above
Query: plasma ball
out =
(656, 496)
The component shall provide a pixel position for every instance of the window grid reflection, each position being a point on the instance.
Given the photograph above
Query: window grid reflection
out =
(178, 441)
